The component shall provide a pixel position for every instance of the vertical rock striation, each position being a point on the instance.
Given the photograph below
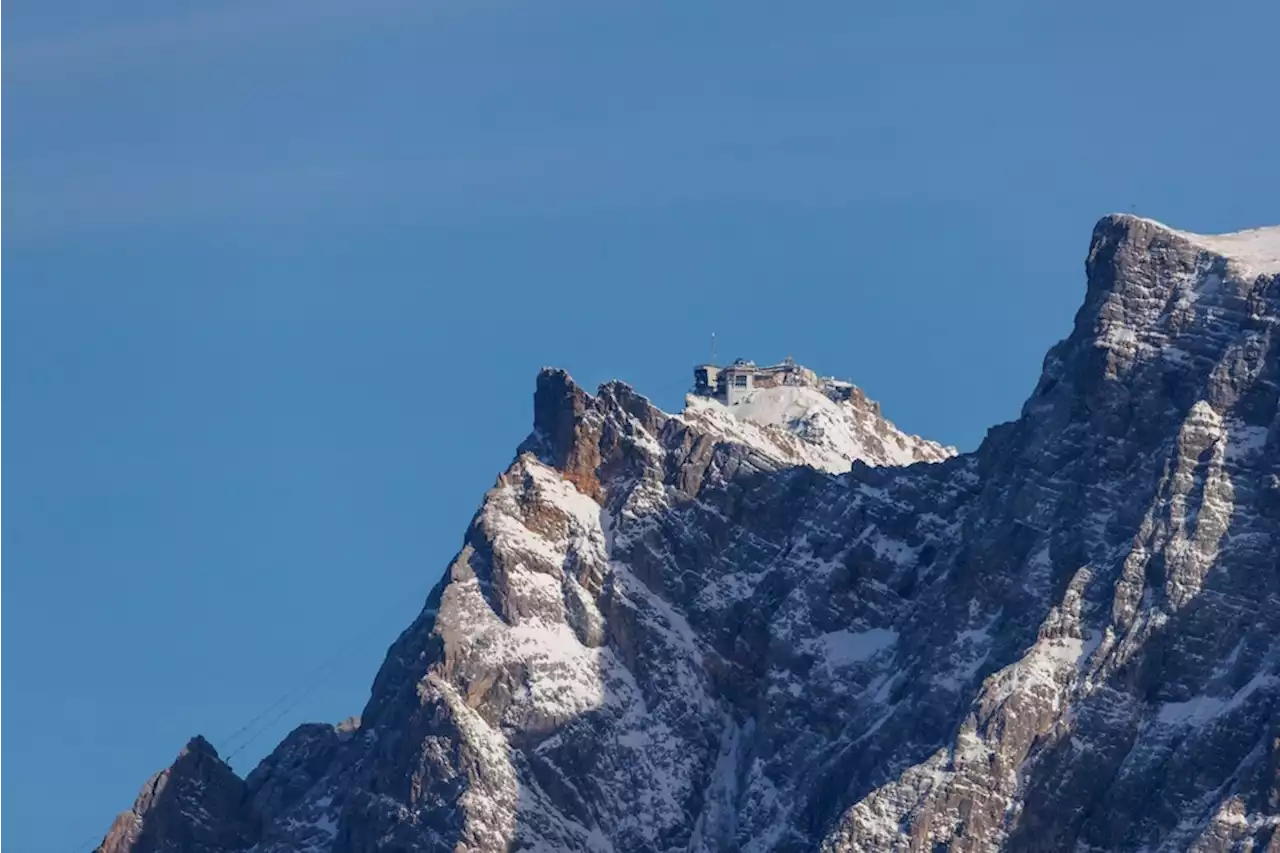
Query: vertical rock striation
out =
(795, 628)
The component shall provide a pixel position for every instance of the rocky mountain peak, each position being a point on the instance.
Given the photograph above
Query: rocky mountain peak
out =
(198, 804)
(773, 622)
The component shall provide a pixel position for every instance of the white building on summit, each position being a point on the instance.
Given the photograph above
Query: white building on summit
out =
(801, 417)
(734, 383)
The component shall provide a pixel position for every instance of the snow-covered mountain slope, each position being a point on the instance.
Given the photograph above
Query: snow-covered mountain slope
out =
(689, 632)
(803, 426)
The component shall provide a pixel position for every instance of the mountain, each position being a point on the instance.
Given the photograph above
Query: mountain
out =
(789, 627)
(802, 425)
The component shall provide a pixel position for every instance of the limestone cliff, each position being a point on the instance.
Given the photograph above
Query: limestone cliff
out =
(799, 632)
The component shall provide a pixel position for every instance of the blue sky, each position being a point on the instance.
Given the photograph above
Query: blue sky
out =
(279, 277)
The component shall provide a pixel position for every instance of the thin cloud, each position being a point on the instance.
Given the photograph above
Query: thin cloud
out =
(86, 50)
(478, 186)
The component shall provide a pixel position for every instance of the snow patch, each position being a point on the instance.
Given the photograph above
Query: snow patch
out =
(1244, 441)
(843, 648)
(801, 425)
(1199, 710)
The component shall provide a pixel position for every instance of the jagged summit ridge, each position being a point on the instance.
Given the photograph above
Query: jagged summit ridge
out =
(685, 632)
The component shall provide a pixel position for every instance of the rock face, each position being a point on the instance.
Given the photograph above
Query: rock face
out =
(197, 805)
(696, 632)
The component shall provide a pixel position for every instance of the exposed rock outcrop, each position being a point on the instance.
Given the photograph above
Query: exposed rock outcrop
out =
(701, 632)
(198, 805)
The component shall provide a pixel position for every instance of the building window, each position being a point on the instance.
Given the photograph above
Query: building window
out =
(740, 381)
